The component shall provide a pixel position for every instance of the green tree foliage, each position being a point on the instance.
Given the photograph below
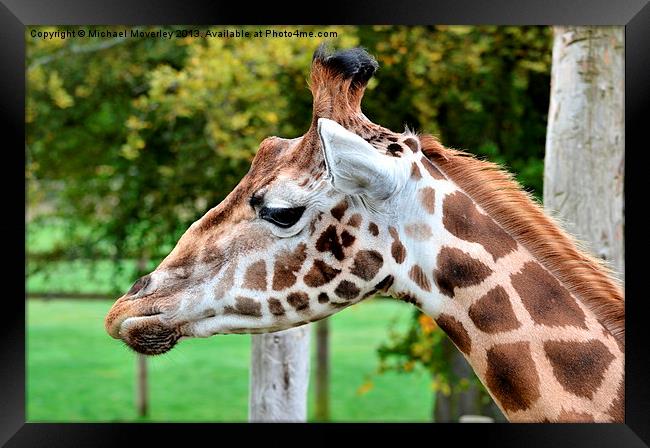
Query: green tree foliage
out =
(135, 141)
(483, 89)
(420, 346)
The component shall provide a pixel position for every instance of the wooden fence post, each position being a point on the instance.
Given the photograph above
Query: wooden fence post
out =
(322, 413)
(279, 376)
(142, 380)
(142, 386)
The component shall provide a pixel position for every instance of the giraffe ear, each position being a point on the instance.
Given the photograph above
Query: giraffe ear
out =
(356, 167)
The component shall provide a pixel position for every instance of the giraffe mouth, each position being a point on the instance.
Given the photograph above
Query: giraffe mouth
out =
(143, 329)
(122, 313)
(148, 334)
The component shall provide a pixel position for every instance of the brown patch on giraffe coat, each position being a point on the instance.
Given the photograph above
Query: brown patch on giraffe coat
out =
(420, 278)
(462, 219)
(493, 312)
(320, 274)
(255, 277)
(418, 231)
(339, 210)
(347, 290)
(347, 239)
(366, 264)
(328, 241)
(415, 172)
(408, 299)
(395, 149)
(298, 300)
(433, 171)
(355, 220)
(511, 375)
(458, 269)
(397, 249)
(571, 416)
(276, 308)
(456, 332)
(385, 283)
(617, 409)
(579, 366)
(412, 144)
(546, 300)
(427, 197)
(323, 298)
(287, 263)
(245, 306)
(373, 229)
(382, 286)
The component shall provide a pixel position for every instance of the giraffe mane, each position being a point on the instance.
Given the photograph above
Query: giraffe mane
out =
(514, 209)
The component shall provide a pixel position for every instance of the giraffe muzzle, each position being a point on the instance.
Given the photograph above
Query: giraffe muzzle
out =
(128, 309)
(144, 332)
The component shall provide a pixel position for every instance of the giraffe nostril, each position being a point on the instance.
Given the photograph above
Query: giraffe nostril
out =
(139, 285)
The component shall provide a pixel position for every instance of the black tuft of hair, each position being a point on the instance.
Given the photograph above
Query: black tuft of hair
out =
(355, 63)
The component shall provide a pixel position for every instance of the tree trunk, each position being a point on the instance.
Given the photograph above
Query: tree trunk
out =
(583, 168)
(142, 380)
(279, 376)
(322, 370)
(447, 406)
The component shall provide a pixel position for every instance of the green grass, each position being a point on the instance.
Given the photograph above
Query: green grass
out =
(77, 373)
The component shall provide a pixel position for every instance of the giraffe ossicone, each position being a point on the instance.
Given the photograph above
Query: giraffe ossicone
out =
(351, 209)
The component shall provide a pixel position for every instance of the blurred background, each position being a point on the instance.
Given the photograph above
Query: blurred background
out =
(130, 140)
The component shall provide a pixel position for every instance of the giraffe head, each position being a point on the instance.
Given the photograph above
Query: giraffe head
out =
(308, 231)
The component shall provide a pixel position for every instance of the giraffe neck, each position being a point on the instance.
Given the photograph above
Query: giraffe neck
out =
(541, 353)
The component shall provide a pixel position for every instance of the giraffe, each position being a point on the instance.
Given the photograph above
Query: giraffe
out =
(350, 209)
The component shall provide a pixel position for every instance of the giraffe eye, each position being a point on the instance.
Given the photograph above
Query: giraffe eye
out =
(282, 217)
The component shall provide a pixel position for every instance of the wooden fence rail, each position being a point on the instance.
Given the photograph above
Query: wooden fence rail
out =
(71, 295)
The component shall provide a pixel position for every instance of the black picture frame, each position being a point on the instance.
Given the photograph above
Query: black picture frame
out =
(633, 14)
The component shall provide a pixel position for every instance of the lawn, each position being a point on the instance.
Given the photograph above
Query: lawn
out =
(77, 373)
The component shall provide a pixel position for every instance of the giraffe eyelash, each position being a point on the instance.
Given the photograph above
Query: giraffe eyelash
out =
(256, 200)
